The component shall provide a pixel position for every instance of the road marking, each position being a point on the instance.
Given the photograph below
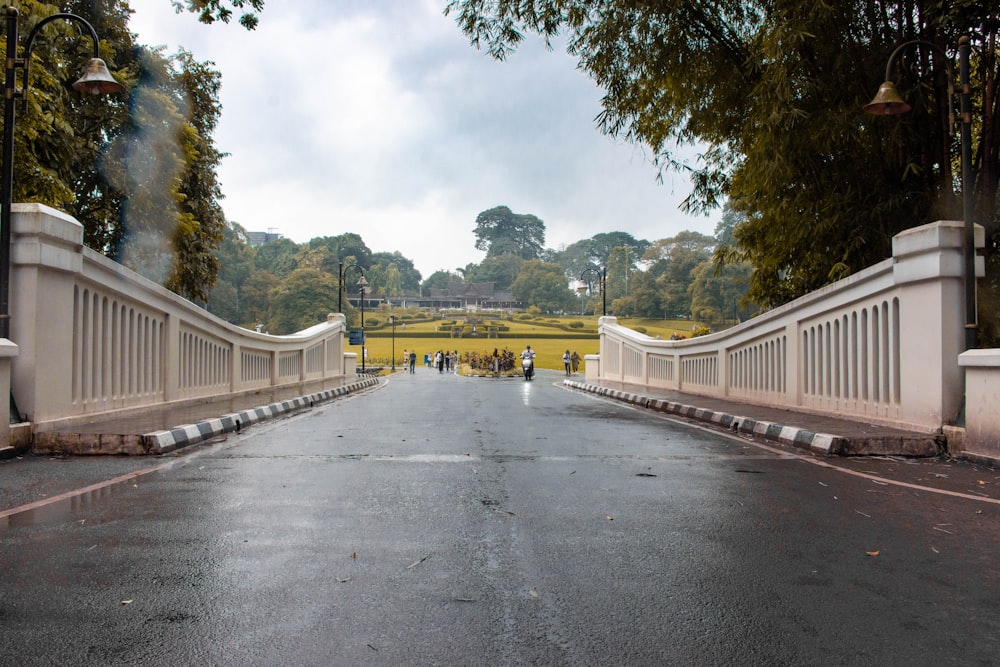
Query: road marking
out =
(781, 453)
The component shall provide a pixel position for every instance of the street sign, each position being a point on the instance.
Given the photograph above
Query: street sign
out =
(356, 337)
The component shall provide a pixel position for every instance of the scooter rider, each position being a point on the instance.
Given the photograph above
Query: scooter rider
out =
(529, 354)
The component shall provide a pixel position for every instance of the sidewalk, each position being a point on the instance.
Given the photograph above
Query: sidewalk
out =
(817, 433)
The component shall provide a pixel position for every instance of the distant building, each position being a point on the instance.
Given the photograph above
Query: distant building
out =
(471, 296)
(260, 238)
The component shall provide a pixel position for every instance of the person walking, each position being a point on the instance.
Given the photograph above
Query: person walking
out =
(412, 360)
(567, 362)
(575, 362)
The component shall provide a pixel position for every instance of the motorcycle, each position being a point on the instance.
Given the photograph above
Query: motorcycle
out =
(528, 366)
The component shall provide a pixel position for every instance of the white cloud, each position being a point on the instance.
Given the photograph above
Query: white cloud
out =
(379, 118)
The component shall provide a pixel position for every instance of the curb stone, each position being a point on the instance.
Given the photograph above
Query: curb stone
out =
(163, 442)
(817, 443)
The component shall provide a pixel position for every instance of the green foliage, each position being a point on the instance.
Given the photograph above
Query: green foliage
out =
(210, 11)
(301, 300)
(501, 270)
(500, 231)
(543, 285)
(775, 91)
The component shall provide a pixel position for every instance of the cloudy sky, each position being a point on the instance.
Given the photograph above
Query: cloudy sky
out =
(378, 117)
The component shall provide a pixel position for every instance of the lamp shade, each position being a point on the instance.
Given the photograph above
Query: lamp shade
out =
(887, 101)
(97, 80)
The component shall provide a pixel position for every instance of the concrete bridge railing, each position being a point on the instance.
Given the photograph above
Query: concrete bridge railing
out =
(93, 338)
(881, 345)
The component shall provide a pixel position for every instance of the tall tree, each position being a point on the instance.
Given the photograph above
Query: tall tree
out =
(501, 270)
(202, 221)
(774, 90)
(302, 299)
(500, 231)
(543, 285)
(137, 169)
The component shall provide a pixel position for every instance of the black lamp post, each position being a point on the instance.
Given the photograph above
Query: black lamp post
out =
(602, 280)
(96, 80)
(362, 284)
(362, 288)
(392, 321)
(888, 102)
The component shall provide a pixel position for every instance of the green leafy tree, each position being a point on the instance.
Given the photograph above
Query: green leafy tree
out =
(620, 270)
(440, 279)
(201, 225)
(137, 169)
(279, 257)
(645, 299)
(501, 270)
(717, 293)
(774, 91)
(408, 276)
(596, 251)
(255, 297)
(543, 285)
(304, 298)
(235, 257)
(210, 11)
(500, 231)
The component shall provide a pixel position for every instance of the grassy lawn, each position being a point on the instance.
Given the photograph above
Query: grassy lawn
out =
(549, 350)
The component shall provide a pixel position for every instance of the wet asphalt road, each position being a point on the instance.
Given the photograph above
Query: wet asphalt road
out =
(453, 521)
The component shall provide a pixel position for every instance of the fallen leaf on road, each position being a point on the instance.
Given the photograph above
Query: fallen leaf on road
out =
(863, 514)
(354, 555)
(609, 517)
(872, 553)
(126, 601)
(416, 563)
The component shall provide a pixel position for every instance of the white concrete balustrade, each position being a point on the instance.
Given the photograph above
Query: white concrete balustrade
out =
(91, 339)
(94, 338)
(881, 345)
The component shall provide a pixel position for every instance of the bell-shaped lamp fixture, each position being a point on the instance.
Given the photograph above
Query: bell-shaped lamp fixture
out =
(887, 101)
(97, 80)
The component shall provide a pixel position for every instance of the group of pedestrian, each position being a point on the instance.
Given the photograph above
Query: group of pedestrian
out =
(571, 362)
(446, 361)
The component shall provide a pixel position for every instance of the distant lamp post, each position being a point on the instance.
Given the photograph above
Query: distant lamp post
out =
(362, 288)
(96, 80)
(888, 102)
(362, 284)
(602, 282)
(341, 270)
(392, 321)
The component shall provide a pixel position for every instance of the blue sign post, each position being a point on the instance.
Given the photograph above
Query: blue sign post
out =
(356, 337)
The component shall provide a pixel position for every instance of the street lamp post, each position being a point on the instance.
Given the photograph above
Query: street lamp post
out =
(888, 102)
(392, 321)
(602, 283)
(362, 284)
(96, 80)
(362, 288)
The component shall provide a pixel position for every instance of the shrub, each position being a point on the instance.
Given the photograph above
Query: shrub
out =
(575, 324)
(701, 331)
(373, 322)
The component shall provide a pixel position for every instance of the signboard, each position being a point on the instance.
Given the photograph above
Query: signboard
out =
(356, 337)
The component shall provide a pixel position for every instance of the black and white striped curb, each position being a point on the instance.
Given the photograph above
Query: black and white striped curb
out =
(819, 443)
(162, 442)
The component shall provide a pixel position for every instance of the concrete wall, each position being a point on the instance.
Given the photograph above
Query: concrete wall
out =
(981, 439)
(94, 338)
(881, 345)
